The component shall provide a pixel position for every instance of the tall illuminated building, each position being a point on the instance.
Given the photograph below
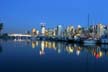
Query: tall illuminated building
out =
(79, 28)
(43, 29)
(50, 32)
(37, 32)
(70, 31)
(59, 31)
(33, 31)
(100, 30)
(55, 32)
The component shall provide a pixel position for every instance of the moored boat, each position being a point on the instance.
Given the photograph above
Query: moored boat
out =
(89, 41)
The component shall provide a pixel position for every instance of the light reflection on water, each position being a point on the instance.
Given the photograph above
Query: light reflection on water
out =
(96, 51)
(18, 56)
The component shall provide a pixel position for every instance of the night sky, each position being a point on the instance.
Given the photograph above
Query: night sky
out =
(21, 15)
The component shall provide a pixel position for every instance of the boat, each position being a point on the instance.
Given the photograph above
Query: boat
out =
(89, 41)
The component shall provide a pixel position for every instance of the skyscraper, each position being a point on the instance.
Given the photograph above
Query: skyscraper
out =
(43, 29)
(59, 31)
(70, 31)
(100, 30)
(33, 31)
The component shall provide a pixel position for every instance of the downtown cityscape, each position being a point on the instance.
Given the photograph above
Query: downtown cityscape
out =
(92, 34)
(90, 42)
(53, 36)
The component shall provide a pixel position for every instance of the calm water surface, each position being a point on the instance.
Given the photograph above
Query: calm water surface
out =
(36, 56)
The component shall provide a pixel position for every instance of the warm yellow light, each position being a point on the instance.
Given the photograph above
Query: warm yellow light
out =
(49, 44)
(37, 43)
(53, 45)
(71, 50)
(100, 54)
(42, 45)
(46, 44)
(33, 44)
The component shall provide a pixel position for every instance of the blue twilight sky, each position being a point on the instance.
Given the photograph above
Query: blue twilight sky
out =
(22, 15)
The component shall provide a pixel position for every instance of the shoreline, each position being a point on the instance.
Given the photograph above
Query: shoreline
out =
(56, 39)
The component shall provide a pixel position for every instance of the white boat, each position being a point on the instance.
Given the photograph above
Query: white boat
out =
(89, 41)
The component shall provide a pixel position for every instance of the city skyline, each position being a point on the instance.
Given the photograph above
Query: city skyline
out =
(19, 16)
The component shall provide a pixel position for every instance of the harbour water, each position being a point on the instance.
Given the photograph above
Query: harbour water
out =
(36, 56)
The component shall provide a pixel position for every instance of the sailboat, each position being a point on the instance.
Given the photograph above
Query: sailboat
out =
(89, 41)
